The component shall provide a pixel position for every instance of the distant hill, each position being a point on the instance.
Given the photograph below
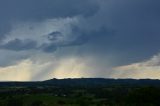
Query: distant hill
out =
(84, 82)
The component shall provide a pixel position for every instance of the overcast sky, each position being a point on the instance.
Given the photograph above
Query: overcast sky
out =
(43, 39)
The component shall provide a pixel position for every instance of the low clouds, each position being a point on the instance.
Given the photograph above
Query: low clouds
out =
(18, 44)
(147, 69)
(48, 34)
(37, 26)
(27, 70)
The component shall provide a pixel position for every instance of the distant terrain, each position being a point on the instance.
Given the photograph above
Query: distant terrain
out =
(81, 92)
(89, 82)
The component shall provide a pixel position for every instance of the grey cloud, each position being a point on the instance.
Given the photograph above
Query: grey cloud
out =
(9, 58)
(136, 30)
(18, 44)
(54, 36)
(38, 10)
(48, 47)
(78, 37)
(128, 30)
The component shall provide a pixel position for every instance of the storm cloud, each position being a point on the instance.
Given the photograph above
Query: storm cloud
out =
(95, 36)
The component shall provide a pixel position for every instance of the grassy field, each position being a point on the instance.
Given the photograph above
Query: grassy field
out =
(48, 100)
(81, 92)
(107, 96)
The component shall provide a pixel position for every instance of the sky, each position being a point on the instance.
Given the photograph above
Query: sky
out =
(44, 39)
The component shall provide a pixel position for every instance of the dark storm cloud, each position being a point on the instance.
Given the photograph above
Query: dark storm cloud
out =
(54, 36)
(48, 48)
(136, 26)
(127, 29)
(18, 45)
(80, 38)
(38, 10)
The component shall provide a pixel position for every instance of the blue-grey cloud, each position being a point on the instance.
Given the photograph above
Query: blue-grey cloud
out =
(17, 45)
(38, 10)
(136, 30)
(135, 25)
(112, 32)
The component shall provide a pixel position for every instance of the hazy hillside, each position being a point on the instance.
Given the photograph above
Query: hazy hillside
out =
(89, 82)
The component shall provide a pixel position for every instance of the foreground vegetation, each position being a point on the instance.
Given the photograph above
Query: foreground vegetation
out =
(109, 95)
